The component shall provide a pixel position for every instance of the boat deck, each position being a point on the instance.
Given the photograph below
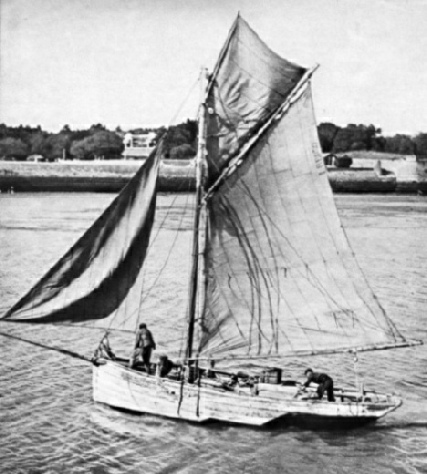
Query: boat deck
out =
(227, 399)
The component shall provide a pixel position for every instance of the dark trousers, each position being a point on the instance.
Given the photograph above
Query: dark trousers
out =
(328, 387)
(146, 356)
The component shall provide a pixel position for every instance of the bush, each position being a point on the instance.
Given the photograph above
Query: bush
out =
(399, 144)
(421, 144)
(327, 133)
(344, 161)
(182, 152)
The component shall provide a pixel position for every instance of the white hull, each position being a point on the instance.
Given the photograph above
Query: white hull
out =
(120, 387)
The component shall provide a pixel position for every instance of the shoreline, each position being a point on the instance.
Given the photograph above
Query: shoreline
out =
(173, 177)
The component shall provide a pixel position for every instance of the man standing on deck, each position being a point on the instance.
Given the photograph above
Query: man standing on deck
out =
(143, 347)
(326, 384)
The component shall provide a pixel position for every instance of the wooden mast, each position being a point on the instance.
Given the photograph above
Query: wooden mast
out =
(199, 190)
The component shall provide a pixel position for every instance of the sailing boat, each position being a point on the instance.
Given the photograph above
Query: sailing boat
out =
(273, 275)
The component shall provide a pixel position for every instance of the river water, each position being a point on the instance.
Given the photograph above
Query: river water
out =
(49, 423)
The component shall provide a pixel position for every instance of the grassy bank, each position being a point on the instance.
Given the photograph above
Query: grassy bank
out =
(360, 181)
(175, 176)
(99, 176)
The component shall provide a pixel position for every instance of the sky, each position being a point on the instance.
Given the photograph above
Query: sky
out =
(136, 62)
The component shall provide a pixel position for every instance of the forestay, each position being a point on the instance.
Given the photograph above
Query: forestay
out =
(282, 278)
(98, 282)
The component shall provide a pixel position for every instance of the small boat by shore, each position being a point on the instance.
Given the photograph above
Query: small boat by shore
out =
(273, 275)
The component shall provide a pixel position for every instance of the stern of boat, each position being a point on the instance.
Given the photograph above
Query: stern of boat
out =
(120, 387)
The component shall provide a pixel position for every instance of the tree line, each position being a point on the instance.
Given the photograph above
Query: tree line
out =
(87, 144)
(335, 139)
(181, 141)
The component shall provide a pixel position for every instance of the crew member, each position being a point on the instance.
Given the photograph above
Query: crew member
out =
(210, 372)
(104, 350)
(165, 365)
(326, 384)
(143, 347)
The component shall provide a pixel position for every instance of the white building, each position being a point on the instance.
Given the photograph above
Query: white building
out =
(138, 146)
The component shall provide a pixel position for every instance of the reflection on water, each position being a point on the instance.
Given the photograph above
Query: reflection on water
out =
(50, 424)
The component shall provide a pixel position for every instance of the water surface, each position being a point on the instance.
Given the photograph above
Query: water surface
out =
(49, 423)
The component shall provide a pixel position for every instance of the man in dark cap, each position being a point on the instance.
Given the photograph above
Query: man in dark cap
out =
(143, 347)
(325, 384)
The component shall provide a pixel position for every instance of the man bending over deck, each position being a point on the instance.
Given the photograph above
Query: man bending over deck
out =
(326, 384)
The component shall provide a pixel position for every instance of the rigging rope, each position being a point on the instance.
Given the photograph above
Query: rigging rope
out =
(356, 374)
(67, 352)
(144, 293)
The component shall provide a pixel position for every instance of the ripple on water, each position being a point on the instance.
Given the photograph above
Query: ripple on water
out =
(49, 423)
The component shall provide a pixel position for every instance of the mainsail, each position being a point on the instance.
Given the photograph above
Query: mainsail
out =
(281, 276)
(97, 283)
